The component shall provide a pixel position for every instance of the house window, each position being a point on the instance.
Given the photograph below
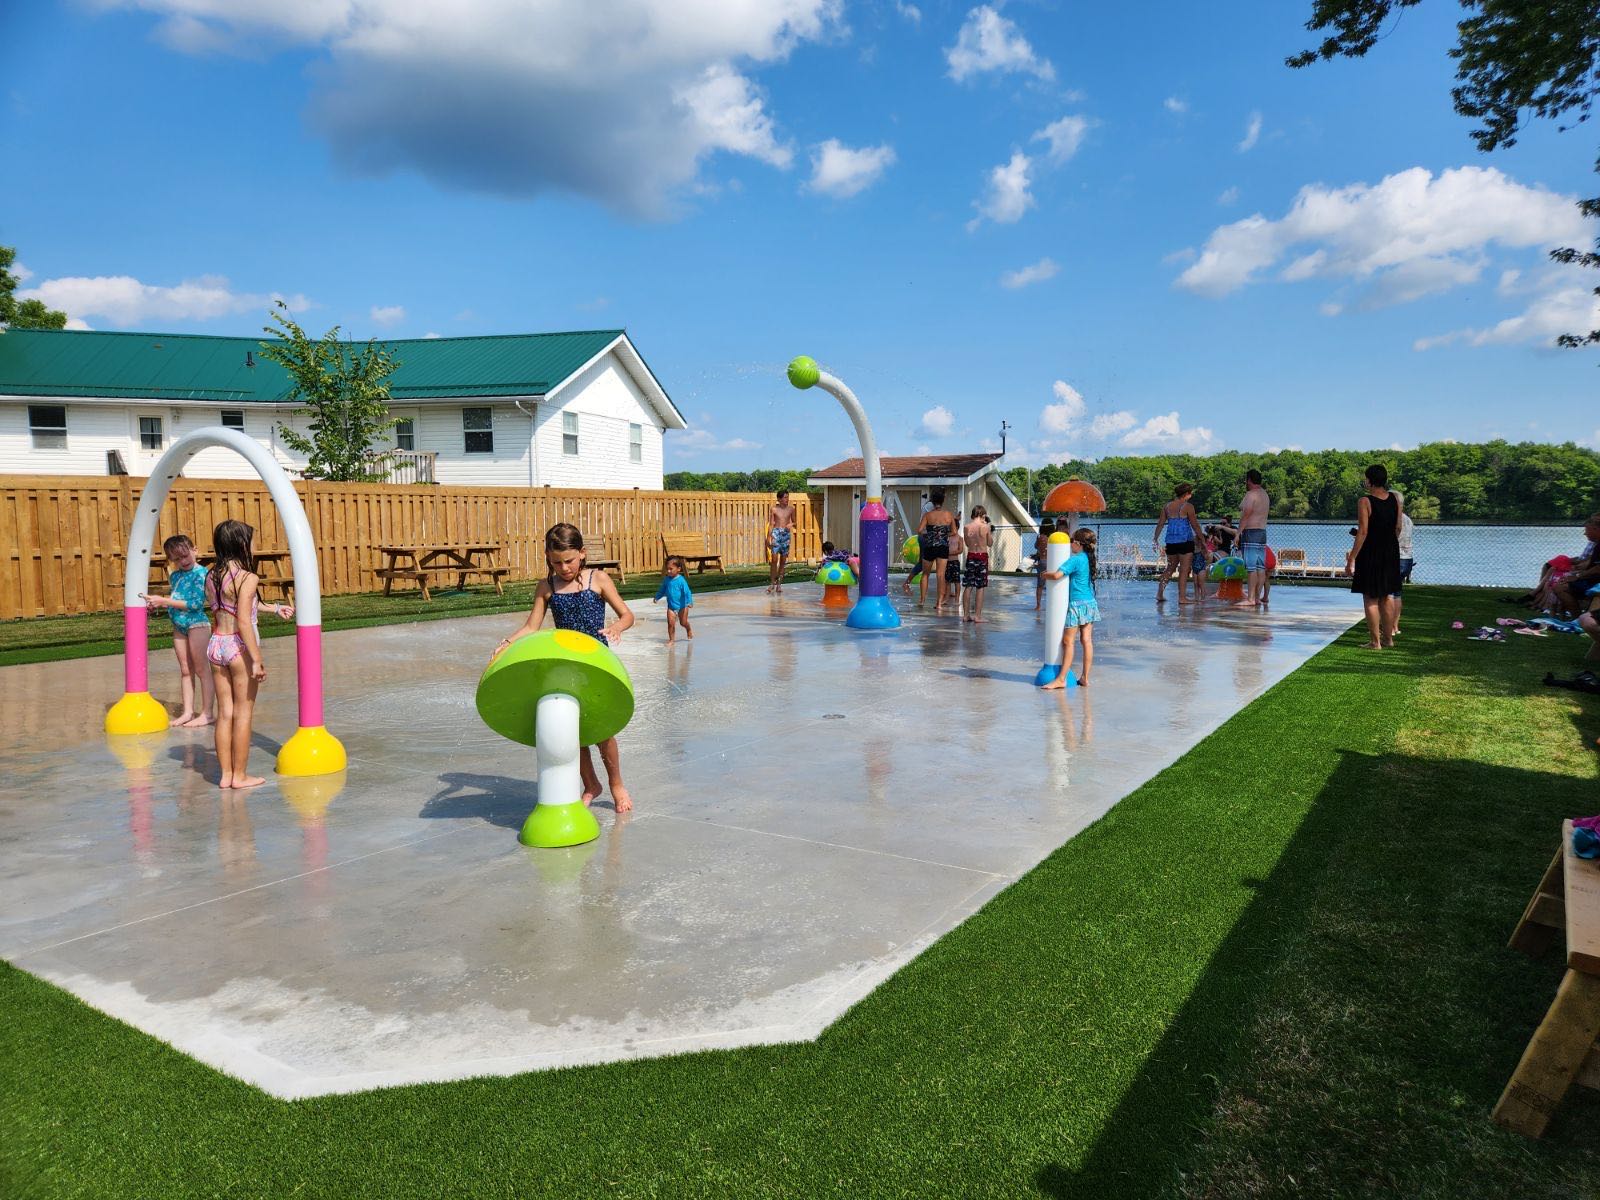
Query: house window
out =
(569, 433)
(636, 443)
(477, 428)
(150, 433)
(405, 434)
(233, 418)
(48, 424)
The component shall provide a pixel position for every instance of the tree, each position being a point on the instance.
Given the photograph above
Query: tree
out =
(1515, 57)
(28, 314)
(343, 390)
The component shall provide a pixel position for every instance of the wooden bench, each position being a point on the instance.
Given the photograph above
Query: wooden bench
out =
(693, 548)
(1565, 1049)
(1291, 563)
(595, 556)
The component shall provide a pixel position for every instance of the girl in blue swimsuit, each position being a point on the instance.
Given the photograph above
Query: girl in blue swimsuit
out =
(577, 599)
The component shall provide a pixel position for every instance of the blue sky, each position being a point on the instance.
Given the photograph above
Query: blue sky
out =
(1118, 228)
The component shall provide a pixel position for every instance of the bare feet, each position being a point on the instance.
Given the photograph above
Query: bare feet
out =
(1161, 597)
(246, 781)
(1372, 646)
(199, 722)
(688, 633)
(620, 797)
(1057, 684)
(1243, 604)
(182, 719)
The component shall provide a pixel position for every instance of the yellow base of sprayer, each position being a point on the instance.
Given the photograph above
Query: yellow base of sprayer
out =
(311, 751)
(137, 712)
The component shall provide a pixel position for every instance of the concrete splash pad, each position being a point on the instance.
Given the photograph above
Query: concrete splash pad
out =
(815, 806)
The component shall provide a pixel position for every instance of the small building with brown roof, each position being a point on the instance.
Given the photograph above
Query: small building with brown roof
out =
(968, 480)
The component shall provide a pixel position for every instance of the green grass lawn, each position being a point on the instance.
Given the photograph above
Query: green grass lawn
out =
(1278, 968)
(48, 639)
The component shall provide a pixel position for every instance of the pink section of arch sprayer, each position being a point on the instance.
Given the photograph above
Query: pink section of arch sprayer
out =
(136, 642)
(308, 661)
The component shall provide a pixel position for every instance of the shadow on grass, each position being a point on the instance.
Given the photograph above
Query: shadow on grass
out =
(1354, 1030)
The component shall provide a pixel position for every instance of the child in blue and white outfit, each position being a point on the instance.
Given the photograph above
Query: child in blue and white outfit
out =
(191, 628)
(675, 591)
(1083, 610)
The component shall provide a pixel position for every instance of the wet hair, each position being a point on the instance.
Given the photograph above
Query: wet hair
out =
(678, 561)
(1088, 539)
(1253, 476)
(827, 547)
(1378, 475)
(175, 543)
(979, 512)
(783, 493)
(937, 496)
(1594, 519)
(1182, 490)
(231, 541)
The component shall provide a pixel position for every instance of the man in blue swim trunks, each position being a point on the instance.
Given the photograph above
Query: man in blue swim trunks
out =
(780, 533)
(1253, 539)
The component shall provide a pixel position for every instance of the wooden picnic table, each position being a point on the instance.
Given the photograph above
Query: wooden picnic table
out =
(269, 567)
(420, 561)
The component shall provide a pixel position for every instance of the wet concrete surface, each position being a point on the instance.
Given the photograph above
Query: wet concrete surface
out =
(814, 807)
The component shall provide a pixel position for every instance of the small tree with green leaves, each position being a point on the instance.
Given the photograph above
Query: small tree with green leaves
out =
(343, 390)
(26, 314)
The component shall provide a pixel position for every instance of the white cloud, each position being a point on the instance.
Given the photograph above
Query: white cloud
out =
(840, 171)
(990, 42)
(1187, 255)
(1167, 433)
(690, 442)
(1062, 416)
(1407, 236)
(618, 102)
(123, 300)
(430, 335)
(1175, 104)
(1106, 425)
(909, 11)
(1064, 136)
(923, 449)
(1007, 196)
(391, 314)
(1252, 133)
(20, 273)
(730, 115)
(1038, 272)
(1563, 305)
(1228, 196)
(76, 323)
(938, 421)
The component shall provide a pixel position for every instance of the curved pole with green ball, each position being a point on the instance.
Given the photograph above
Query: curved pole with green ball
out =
(872, 608)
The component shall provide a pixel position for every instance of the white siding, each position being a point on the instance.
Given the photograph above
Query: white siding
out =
(607, 402)
(605, 398)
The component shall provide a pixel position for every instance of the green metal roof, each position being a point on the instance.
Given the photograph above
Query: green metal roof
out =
(186, 366)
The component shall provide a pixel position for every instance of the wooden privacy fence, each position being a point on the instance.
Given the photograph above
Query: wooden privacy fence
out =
(64, 539)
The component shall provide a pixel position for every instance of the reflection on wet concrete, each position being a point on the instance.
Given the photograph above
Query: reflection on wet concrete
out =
(815, 805)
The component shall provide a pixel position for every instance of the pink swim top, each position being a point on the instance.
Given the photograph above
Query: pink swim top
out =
(233, 609)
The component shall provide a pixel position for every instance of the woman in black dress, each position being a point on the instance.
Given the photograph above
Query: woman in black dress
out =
(1376, 575)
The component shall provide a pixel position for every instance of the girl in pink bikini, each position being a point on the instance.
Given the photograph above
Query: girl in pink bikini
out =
(234, 650)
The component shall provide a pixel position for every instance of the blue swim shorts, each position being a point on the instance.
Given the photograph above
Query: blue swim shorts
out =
(1253, 549)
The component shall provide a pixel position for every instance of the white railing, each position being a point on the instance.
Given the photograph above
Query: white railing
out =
(406, 466)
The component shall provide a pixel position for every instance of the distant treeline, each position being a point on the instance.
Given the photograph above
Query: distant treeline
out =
(1442, 481)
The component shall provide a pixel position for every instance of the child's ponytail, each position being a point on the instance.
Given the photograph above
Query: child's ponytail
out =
(1087, 540)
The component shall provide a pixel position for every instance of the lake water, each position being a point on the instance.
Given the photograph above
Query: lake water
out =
(1497, 556)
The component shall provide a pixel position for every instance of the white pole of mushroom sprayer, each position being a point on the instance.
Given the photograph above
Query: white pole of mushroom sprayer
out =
(556, 750)
(1057, 551)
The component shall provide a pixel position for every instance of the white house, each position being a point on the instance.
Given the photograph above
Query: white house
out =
(576, 409)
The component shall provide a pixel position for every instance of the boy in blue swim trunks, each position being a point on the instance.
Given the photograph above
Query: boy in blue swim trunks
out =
(780, 534)
(675, 591)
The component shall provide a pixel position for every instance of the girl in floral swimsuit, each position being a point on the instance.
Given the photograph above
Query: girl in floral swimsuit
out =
(234, 650)
(577, 599)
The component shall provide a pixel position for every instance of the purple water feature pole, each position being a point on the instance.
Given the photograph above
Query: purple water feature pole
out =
(872, 609)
